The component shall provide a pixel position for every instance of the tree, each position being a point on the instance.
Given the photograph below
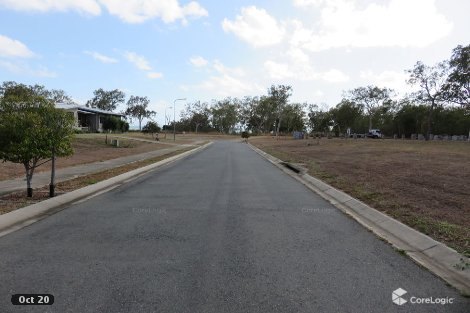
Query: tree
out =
(106, 100)
(151, 128)
(258, 114)
(347, 114)
(137, 108)
(225, 115)
(197, 114)
(370, 98)
(431, 82)
(110, 123)
(278, 96)
(293, 116)
(318, 119)
(60, 126)
(10, 88)
(457, 86)
(59, 96)
(29, 131)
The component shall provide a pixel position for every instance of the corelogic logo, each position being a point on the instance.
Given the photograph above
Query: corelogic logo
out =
(397, 296)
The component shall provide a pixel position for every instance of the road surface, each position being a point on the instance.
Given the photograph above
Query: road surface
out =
(220, 231)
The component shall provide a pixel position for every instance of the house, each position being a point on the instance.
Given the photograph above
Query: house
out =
(88, 119)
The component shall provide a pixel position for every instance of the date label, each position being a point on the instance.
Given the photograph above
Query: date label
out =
(32, 299)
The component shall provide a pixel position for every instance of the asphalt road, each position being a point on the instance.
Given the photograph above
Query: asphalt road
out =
(220, 231)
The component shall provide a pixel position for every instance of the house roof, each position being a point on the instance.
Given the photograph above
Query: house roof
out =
(83, 108)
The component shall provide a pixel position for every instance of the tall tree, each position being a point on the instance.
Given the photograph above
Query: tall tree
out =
(225, 115)
(106, 100)
(431, 83)
(293, 116)
(279, 96)
(457, 86)
(346, 115)
(59, 96)
(29, 132)
(60, 126)
(137, 108)
(370, 97)
(197, 114)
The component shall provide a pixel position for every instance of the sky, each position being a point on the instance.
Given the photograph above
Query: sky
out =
(204, 50)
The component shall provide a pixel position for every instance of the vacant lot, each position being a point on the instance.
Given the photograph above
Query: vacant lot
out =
(88, 148)
(186, 138)
(423, 184)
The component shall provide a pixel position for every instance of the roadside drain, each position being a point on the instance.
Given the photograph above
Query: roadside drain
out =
(291, 167)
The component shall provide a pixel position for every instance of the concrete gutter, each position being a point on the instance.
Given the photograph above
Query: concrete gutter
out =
(431, 254)
(25, 216)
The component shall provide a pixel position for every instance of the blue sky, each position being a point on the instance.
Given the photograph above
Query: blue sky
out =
(211, 49)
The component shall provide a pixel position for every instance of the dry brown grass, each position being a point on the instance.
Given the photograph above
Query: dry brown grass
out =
(88, 148)
(423, 184)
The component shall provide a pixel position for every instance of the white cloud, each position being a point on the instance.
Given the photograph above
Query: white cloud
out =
(399, 23)
(306, 3)
(142, 64)
(24, 69)
(138, 11)
(100, 57)
(154, 75)
(13, 48)
(83, 6)
(198, 61)
(139, 61)
(389, 79)
(295, 64)
(130, 11)
(334, 76)
(256, 27)
(227, 81)
(277, 71)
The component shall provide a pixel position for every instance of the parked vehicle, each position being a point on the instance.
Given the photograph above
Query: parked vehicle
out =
(374, 133)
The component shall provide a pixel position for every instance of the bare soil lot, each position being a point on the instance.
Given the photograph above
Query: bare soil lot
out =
(88, 148)
(423, 184)
(186, 138)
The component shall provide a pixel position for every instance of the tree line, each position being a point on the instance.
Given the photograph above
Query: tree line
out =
(440, 104)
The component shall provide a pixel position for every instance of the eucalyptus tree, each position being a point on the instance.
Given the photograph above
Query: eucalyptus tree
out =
(370, 98)
(137, 107)
(106, 100)
(431, 87)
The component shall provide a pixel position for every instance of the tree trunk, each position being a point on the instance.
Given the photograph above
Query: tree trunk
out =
(277, 128)
(52, 184)
(370, 121)
(431, 109)
(29, 176)
(140, 124)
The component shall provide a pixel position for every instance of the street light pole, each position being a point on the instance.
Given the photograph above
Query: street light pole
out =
(174, 117)
(166, 122)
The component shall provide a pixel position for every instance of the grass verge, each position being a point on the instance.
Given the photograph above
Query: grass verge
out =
(16, 200)
(421, 184)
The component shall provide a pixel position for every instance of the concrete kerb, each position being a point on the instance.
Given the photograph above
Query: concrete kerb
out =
(429, 253)
(25, 216)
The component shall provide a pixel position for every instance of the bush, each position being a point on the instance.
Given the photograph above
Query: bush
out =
(151, 128)
(112, 123)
